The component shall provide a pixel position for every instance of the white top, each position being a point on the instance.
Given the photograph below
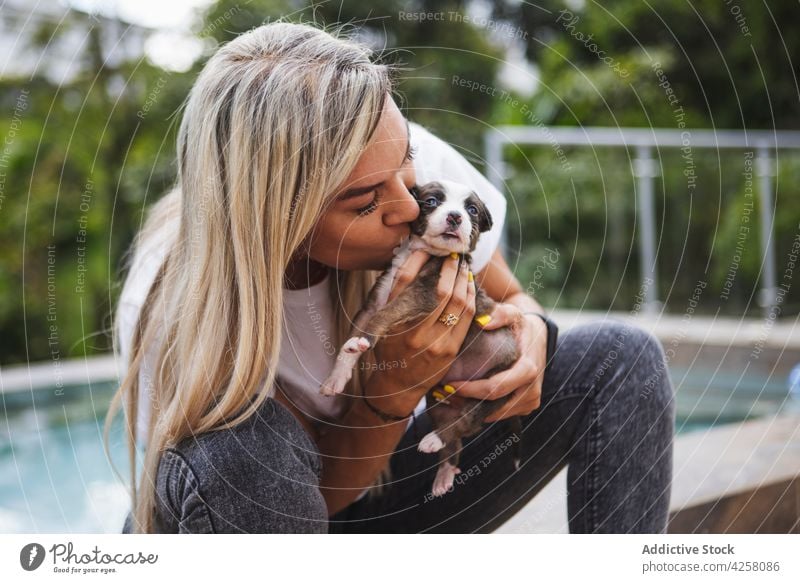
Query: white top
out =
(308, 353)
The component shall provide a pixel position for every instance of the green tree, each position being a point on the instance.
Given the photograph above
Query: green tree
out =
(701, 64)
(85, 157)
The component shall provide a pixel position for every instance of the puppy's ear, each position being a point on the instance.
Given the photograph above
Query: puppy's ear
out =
(486, 221)
(484, 216)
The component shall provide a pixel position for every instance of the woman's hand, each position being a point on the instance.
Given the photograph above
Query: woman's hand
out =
(418, 357)
(524, 379)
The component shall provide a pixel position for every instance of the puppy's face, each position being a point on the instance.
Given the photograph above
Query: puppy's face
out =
(451, 217)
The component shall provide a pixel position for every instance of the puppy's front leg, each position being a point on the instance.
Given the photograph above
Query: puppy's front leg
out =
(374, 328)
(345, 362)
(410, 306)
(357, 344)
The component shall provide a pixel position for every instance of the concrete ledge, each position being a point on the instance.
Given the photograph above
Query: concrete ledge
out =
(773, 508)
(742, 477)
(736, 478)
(701, 330)
(67, 373)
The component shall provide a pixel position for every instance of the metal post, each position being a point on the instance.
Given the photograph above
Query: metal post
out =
(645, 170)
(495, 170)
(765, 168)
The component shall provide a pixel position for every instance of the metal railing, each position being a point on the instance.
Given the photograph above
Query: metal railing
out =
(644, 141)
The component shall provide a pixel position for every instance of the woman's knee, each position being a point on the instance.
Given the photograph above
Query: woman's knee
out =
(260, 476)
(626, 352)
(646, 367)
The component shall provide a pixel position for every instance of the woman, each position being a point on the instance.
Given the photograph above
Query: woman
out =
(294, 175)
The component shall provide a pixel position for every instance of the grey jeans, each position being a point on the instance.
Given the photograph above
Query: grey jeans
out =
(607, 413)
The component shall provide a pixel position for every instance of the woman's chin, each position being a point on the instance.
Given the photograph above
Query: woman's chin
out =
(378, 263)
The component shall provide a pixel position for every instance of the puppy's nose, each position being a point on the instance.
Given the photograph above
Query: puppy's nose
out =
(454, 218)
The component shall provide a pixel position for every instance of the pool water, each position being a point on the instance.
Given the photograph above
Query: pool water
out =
(55, 476)
(709, 397)
(54, 473)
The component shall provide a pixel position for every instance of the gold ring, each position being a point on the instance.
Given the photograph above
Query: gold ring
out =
(449, 319)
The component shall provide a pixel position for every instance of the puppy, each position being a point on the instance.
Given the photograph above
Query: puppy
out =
(451, 219)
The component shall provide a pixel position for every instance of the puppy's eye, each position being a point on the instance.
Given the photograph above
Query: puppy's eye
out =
(473, 210)
(431, 202)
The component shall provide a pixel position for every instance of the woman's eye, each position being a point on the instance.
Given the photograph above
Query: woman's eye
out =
(367, 209)
(473, 210)
(431, 201)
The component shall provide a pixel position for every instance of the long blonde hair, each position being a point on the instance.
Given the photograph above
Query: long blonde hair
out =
(272, 127)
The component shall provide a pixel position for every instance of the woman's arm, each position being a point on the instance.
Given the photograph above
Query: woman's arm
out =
(356, 450)
(501, 285)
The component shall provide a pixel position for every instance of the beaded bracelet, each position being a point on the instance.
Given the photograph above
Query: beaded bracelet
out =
(387, 417)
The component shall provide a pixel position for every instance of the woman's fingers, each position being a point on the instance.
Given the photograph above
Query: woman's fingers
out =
(502, 315)
(408, 272)
(450, 293)
(499, 384)
(444, 290)
(460, 307)
(468, 311)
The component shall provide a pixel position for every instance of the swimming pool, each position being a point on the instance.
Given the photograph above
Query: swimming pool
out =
(55, 477)
(54, 474)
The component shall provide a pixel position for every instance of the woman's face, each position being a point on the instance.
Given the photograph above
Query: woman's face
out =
(371, 213)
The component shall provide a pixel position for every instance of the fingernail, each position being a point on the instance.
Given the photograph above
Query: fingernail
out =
(438, 395)
(449, 388)
(483, 320)
(454, 255)
(470, 277)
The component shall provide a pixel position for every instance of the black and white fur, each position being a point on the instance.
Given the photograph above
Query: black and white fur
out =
(451, 219)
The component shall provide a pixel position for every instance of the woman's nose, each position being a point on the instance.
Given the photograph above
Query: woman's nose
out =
(401, 206)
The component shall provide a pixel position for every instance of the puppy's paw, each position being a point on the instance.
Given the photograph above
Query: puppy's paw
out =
(333, 385)
(431, 443)
(443, 482)
(356, 345)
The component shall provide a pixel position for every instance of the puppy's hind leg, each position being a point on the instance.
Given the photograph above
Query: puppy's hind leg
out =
(448, 469)
(431, 443)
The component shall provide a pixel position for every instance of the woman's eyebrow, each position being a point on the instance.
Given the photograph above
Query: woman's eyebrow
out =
(354, 192)
(358, 191)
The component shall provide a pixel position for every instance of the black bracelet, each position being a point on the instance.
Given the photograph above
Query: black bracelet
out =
(387, 417)
(552, 336)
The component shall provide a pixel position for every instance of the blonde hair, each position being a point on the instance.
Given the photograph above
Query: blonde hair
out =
(274, 124)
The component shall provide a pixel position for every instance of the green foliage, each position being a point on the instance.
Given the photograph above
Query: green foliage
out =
(732, 65)
(106, 138)
(85, 158)
(430, 54)
(703, 64)
(82, 161)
